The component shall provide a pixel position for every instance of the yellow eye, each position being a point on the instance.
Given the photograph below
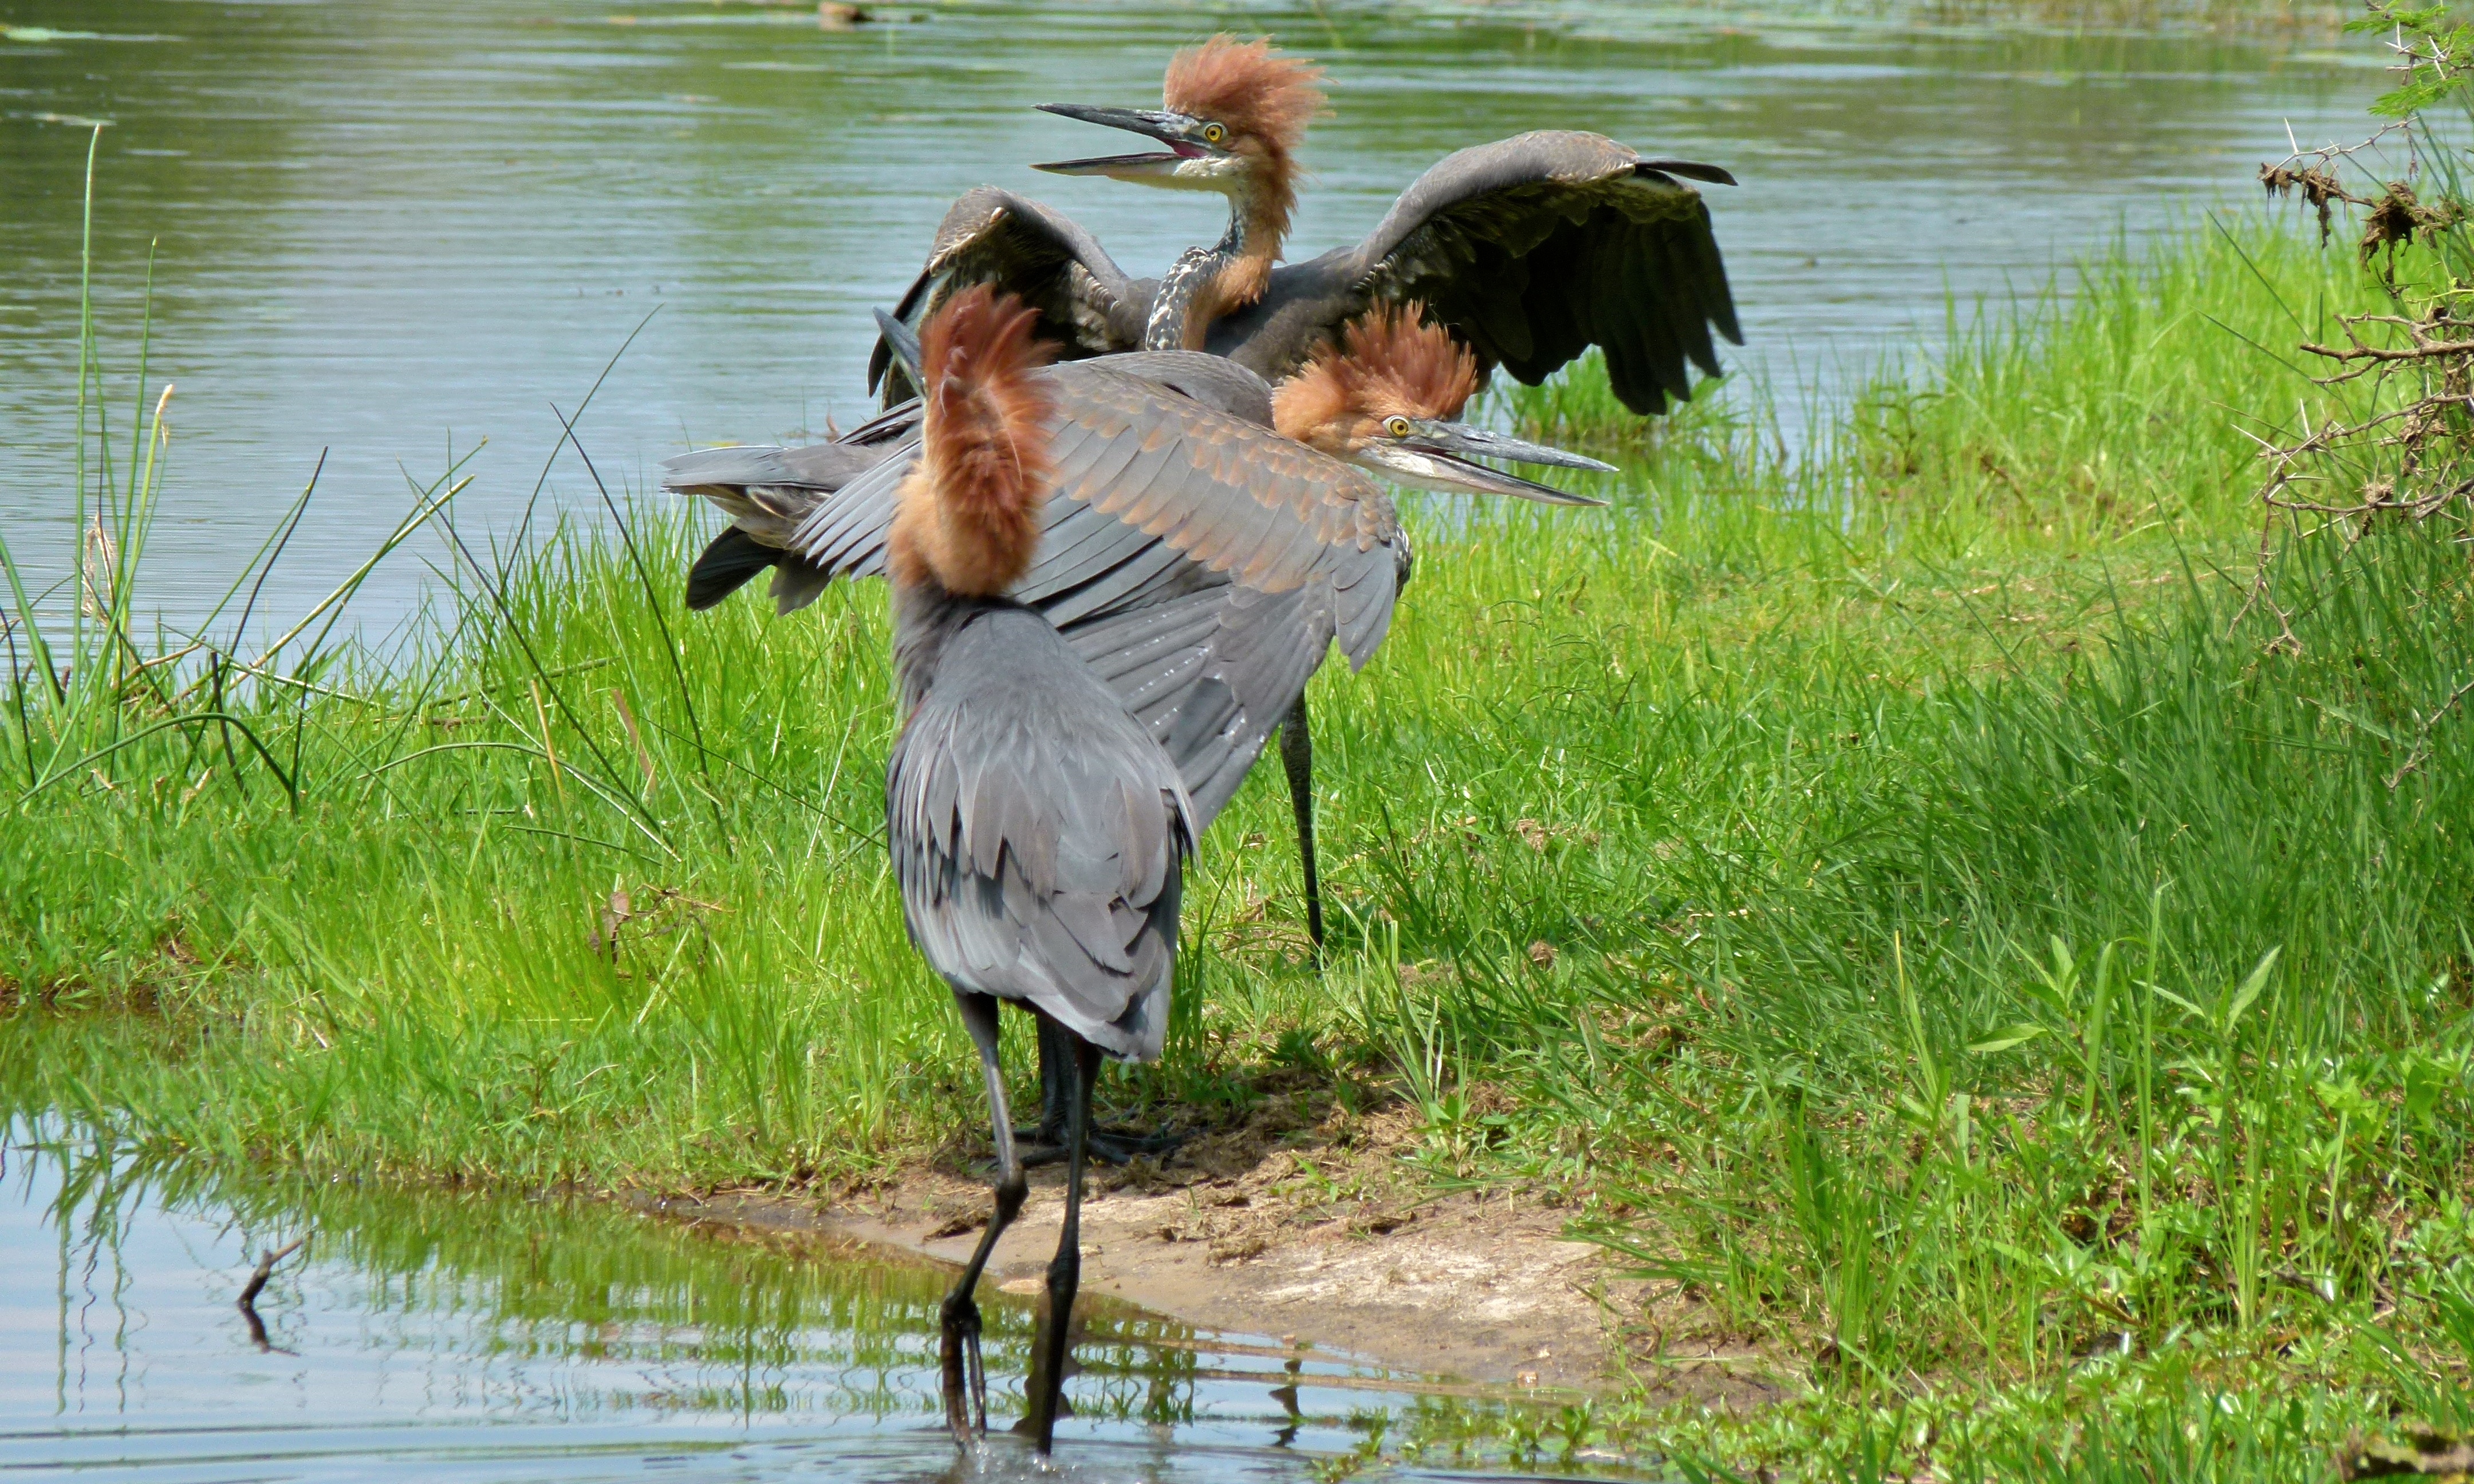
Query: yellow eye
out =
(1213, 133)
(1397, 428)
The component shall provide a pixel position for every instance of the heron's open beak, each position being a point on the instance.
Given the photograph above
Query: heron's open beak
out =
(1174, 165)
(1438, 455)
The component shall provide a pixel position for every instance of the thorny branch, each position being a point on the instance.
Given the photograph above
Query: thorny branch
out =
(2313, 174)
(2397, 440)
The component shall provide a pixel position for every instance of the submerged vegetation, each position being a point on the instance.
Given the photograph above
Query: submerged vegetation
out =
(1913, 898)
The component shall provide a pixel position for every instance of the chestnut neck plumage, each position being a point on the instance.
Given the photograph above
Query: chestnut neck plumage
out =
(966, 518)
(1205, 283)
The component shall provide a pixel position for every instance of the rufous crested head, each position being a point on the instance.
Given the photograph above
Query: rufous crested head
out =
(1389, 364)
(1248, 86)
(967, 517)
(1265, 101)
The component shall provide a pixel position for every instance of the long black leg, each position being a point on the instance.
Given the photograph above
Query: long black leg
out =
(966, 1382)
(1055, 1337)
(1297, 757)
(1046, 1143)
(1056, 1093)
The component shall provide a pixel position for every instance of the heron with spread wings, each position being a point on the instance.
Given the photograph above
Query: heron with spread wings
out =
(1529, 250)
(1526, 251)
(1211, 538)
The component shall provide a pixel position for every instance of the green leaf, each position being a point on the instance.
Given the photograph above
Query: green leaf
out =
(2188, 1007)
(2004, 1038)
(2425, 1079)
(2250, 988)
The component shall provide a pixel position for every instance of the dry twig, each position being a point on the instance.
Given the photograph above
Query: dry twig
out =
(256, 1284)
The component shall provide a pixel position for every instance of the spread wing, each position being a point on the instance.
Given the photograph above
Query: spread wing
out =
(1020, 247)
(1532, 250)
(1149, 481)
(1038, 835)
(1210, 671)
(1199, 563)
(1234, 496)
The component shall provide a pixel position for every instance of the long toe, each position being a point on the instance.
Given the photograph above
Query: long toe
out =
(979, 1388)
(1126, 1147)
(1039, 1145)
(1144, 1140)
(1119, 1146)
(1034, 1156)
(966, 1393)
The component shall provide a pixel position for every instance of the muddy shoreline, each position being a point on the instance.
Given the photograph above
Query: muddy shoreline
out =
(1478, 1291)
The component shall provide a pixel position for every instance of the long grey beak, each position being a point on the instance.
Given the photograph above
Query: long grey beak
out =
(1438, 455)
(1462, 441)
(1173, 129)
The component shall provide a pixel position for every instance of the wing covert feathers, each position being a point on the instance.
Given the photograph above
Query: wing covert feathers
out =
(1015, 245)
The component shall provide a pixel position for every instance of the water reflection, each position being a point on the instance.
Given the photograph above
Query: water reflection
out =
(436, 1335)
(394, 231)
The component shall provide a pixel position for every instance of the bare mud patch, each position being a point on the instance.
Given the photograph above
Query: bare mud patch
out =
(1301, 1224)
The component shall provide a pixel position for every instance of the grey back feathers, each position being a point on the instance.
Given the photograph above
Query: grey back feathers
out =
(1039, 833)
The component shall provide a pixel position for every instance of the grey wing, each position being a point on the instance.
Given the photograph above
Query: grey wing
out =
(843, 532)
(1145, 479)
(1039, 836)
(996, 237)
(1210, 672)
(1227, 492)
(1532, 250)
(1202, 566)
(727, 472)
(1213, 380)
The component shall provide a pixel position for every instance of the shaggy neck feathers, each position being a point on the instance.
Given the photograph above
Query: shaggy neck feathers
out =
(966, 520)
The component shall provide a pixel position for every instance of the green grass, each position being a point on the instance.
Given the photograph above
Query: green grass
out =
(1897, 896)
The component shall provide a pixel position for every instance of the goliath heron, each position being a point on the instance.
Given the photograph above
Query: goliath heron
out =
(1199, 561)
(1528, 250)
(1039, 833)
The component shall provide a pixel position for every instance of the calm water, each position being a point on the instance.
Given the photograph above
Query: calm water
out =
(436, 1338)
(392, 231)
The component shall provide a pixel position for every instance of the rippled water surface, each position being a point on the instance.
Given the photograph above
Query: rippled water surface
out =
(390, 232)
(442, 1338)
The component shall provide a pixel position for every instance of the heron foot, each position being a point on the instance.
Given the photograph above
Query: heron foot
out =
(966, 1378)
(1117, 1147)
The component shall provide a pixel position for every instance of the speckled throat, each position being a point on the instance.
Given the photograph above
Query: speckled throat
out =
(1205, 282)
(1180, 295)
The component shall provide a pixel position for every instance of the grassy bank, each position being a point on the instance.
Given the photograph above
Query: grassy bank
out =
(1898, 895)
